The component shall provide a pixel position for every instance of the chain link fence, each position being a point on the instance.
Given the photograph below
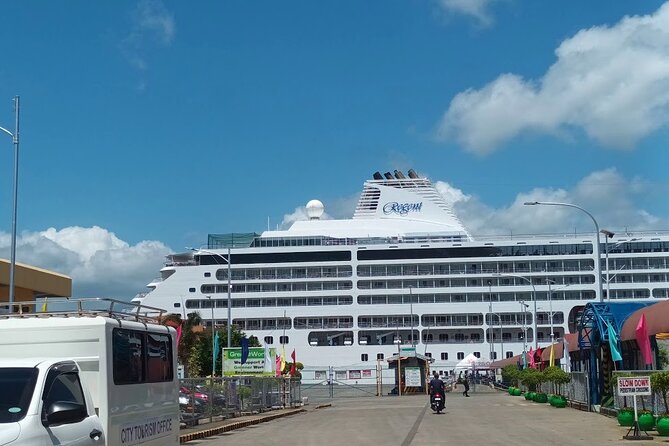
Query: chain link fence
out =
(203, 400)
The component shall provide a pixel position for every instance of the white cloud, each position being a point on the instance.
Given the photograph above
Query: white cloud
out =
(152, 19)
(100, 264)
(151, 25)
(478, 9)
(611, 198)
(612, 82)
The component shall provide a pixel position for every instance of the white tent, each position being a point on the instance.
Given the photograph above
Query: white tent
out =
(471, 362)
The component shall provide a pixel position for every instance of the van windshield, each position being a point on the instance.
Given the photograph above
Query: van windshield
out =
(18, 385)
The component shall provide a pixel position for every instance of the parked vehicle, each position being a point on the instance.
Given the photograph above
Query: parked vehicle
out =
(82, 376)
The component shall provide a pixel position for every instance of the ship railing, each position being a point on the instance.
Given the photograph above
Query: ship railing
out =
(91, 307)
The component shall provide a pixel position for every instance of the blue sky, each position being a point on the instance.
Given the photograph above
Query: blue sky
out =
(147, 125)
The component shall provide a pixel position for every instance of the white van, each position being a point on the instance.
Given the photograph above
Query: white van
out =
(89, 375)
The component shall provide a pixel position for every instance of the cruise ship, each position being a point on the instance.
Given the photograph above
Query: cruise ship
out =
(405, 272)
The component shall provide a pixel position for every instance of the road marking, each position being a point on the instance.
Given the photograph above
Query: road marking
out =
(412, 433)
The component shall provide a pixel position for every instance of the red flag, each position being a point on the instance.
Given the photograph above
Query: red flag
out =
(293, 369)
(643, 341)
(178, 335)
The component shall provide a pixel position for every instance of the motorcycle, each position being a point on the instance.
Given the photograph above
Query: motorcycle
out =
(437, 402)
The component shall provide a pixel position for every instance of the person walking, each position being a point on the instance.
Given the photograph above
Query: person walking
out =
(465, 382)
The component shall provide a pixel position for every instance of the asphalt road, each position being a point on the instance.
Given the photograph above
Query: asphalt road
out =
(487, 418)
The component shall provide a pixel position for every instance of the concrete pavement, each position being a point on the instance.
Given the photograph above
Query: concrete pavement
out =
(488, 417)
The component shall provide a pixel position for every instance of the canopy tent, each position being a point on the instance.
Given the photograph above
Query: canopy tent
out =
(471, 362)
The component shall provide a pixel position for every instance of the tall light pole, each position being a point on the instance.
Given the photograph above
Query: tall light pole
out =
(228, 261)
(492, 330)
(12, 261)
(607, 236)
(534, 300)
(598, 255)
(524, 307)
(550, 306)
(411, 309)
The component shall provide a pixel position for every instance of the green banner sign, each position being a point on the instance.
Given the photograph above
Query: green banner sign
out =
(257, 363)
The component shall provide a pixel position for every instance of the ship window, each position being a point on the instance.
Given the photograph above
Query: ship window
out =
(477, 354)
(444, 356)
(269, 339)
(191, 290)
(379, 356)
(364, 357)
(428, 354)
(207, 274)
(283, 340)
(461, 355)
(177, 305)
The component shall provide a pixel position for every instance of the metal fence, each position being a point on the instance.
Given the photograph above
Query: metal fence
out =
(202, 400)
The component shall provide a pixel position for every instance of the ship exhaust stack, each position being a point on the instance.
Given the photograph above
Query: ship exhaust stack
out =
(399, 175)
(388, 175)
(378, 176)
(412, 173)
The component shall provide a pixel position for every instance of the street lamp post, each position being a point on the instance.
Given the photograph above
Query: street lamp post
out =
(534, 301)
(213, 360)
(607, 236)
(598, 255)
(12, 261)
(524, 307)
(411, 310)
(228, 261)
(550, 306)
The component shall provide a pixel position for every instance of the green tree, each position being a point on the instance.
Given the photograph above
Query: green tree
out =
(510, 374)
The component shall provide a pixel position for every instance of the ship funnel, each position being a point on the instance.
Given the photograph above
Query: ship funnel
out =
(388, 175)
(378, 176)
(399, 175)
(412, 173)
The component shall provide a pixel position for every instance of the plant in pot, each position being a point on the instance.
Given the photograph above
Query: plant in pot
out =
(530, 378)
(660, 383)
(625, 414)
(540, 397)
(645, 417)
(558, 377)
(510, 375)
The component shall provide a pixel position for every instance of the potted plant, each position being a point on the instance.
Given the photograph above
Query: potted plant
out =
(625, 414)
(660, 383)
(558, 377)
(531, 378)
(510, 375)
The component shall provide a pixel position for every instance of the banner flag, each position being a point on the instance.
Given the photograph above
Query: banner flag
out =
(293, 368)
(283, 358)
(268, 365)
(613, 344)
(215, 350)
(179, 329)
(565, 354)
(277, 365)
(643, 341)
(531, 357)
(245, 349)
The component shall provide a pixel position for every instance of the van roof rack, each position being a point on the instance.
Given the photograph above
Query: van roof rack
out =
(91, 307)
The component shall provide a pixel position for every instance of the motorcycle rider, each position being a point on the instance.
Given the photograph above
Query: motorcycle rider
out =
(436, 386)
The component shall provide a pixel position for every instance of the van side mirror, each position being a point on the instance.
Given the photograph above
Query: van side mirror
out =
(64, 412)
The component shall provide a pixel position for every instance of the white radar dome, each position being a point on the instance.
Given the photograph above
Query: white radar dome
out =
(315, 209)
